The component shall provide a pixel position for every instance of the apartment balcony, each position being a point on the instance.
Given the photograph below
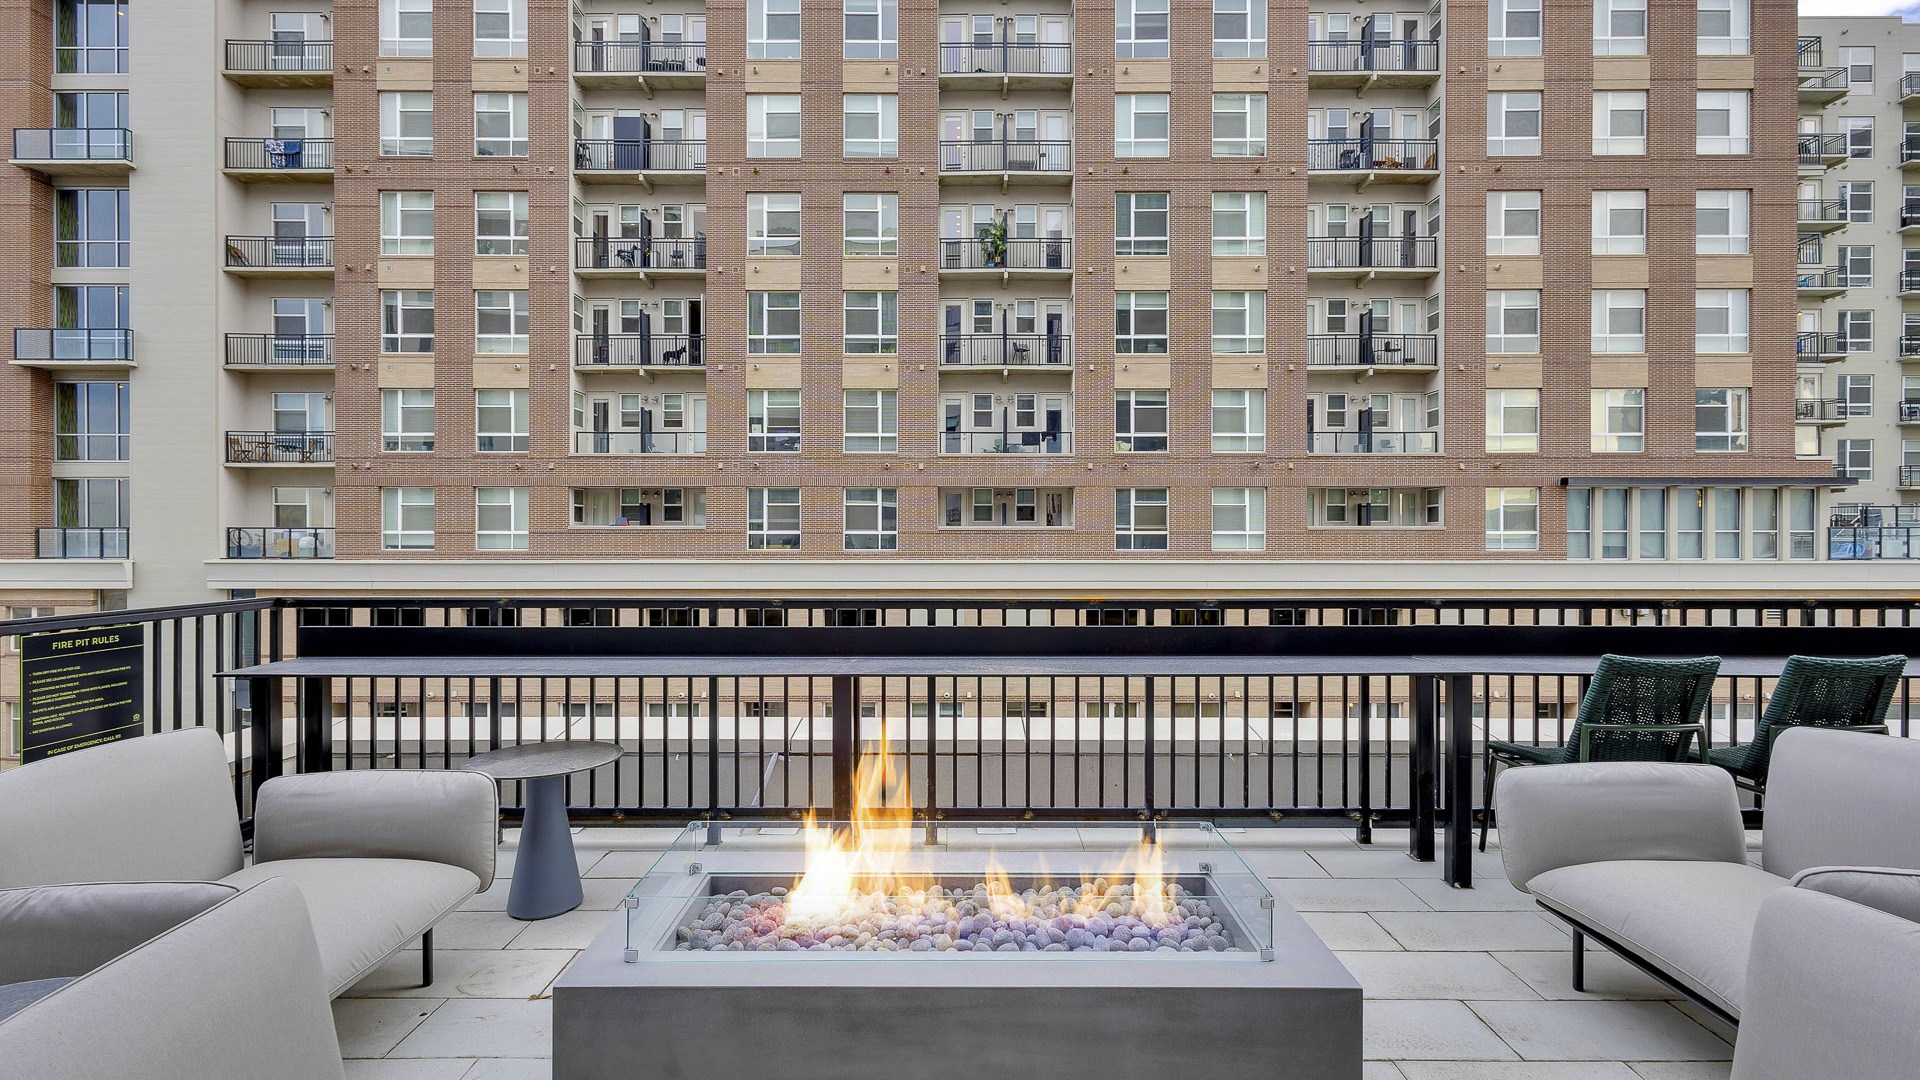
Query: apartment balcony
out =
(73, 151)
(634, 443)
(1023, 257)
(73, 348)
(638, 352)
(1373, 442)
(1006, 66)
(1909, 478)
(1369, 62)
(1368, 161)
(1910, 155)
(1006, 160)
(639, 258)
(998, 509)
(1824, 216)
(1821, 412)
(1820, 151)
(279, 352)
(1910, 411)
(279, 448)
(640, 162)
(1820, 84)
(1008, 352)
(1910, 217)
(79, 542)
(280, 256)
(644, 65)
(1909, 349)
(1820, 282)
(284, 63)
(278, 542)
(1407, 352)
(1376, 257)
(1909, 89)
(1813, 346)
(279, 161)
(1909, 283)
(980, 441)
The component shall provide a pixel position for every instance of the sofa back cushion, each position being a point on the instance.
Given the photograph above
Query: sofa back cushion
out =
(65, 931)
(156, 808)
(1842, 798)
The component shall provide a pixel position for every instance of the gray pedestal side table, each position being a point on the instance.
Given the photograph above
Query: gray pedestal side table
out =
(546, 879)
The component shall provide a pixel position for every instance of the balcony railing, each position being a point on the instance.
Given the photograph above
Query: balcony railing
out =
(1910, 412)
(1373, 350)
(1006, 58)
(1023, 253)
(1910, 85)
(279, 447)
(280, 350)
(1818, 211)
(639, 155)
(72, 144)
(279, 252)
(79, 542)
(1373, 442)
(1006, 350)
(1006, 155)
(104, 345)
(1378, 253)
(290, 56)
(1910, 281)
(1818, 148)
(1378, 55)
(639, 57)
(1810, 54)
(639, 253)
(982, 441)
(1820, 410)
(1364, 155)
(1909, 348)
(1821, 278)
(1823, 78)
(278, 542)
(1874, 542)
(1813, 344)
(619, 443)
(1909, 214)
(638, 350)
(265, 155)
(1909, 151)
(1909, 476)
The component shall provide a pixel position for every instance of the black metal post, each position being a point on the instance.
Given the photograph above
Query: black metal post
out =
(316, 726)
(1364, 833)
(846, 734)
(1150, 759)
(713, 757)
(1458, 868)
(1426, 732)
(268, 742)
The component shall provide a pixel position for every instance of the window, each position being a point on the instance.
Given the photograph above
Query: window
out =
(871, 28)
(1513, 124)
(1513, 519)
(773, 224)
(1620, 122)
(1857, 197)
(1513, 28)
(1619, 223)
(406, 124)
(500, 421)
(500, 321)
(406, 321)
(773, 322)
(871, 519)
(1140, 322)
(500, 223)
(1513, 321)
(1721, 122)
(773, 519)
(1239, 223)
(1140, 29)
(1513, 223)
(1620, 28)
(499, 28)
(1619, 320)
(406, 223)
(1239, 28)
(872, 322)
(871, 125)
(1239, 322)
(1140, 125)
(1856, 266)
(500, 518)
(1140, 223)
(1856, 331)
(1619, 421)
(406, 28)
(773, 29)
(1239, 421)
(406, 519)
(91, 421)
(1140, 421)
(1719, 419)
(1858, 60)
(1856, 392)
(871, 421)
(1513, 421)
(91, 227)
(500, 125)
(1720, 222)
(1239, 125)
(1140, 519)
(1722, 28)
(872, 224)
(89, 36)
(1859, 133)
(1720, 320)
(773, 125)
(1239, 519)
(406, 421)
(773, 421)
(1854, 458)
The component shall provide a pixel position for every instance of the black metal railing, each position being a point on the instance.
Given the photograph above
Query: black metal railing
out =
(1909, 347)
(1375, 55)
(1006, 155)
(1910, 411)
(1909, 85)
(1909, 151)
(1824, 79)
(279, 447)
(1820, 277)
(1874, 542)
(1377, 253)
(1810, 55)
(677, 441)
(639, 155)
(279, 252)
(1909, 476)
(640, 57)
(1812, 344)
(1014, 253)
(638, 350)
(79, 542)
(640, 253)
(279, 542)
(1006, 58)
(1909, 214)
(1823, 211)
(1910, 281)
(280, 350)
(1006, 350)
(72, 144)
(984, 441)
(1820, 410)
(106, 345)
(1816, 148)
(264, 155)
(291, 56)
(1365, 155)
(1373, 442)
(1373, 350)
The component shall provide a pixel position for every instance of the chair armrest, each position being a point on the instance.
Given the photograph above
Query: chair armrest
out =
(65, 931)
(444, 817)
(1605, 811)
(1690, 731)
(1889, 889)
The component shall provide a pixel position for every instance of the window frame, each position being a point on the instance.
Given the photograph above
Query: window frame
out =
(517, 237)
(1606, 204)
(393, 43)
(489, 403)
(1252, 310)
(1498, 116)
(884, 242)
(396, 107)
(1252, 239)
(762, 210)
(1251, 41)
(1129, 43)
(773, 421)
(1507, 511)
(1733, 410)
(395, 237)
(885, 116)
(1611, 43)
(395, 305)
(491, 305)
(882, 532)
(1251, 505)
(1143, 421)
(82, 249)
(771, 344)
(1248, 435)
(1617, 418)
(513, 44)
(1129, 241)
(1130, 531)
(1501, 14)
(396, 532)
(1127, 115)
(761, 143)
(870, 421)
(1739, 211)
(513, 106)
(1252, 114)
(885, 311)
(516, 535)
(1500, 343)
(765, 532)
(1127, 340)
(397, 415)
(1736, 339)
(760, 44)
(1499, 410)
(1738, 104)
(884, 41)
(1608, 104)
(1738, 40)
(1499, 207)
(81, 436)
(1607, 302)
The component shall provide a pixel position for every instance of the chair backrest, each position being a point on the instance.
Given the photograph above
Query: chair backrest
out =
(155, 808)
(1841, 798)
(1817, 691)
(1631, 690)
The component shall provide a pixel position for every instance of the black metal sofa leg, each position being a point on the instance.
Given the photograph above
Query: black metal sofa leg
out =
(1579, 962)
(426, 958)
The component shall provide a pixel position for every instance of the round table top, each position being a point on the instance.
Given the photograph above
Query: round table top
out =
(530, 761)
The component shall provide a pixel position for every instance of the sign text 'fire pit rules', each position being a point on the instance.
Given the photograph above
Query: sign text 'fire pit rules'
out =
(79, 688)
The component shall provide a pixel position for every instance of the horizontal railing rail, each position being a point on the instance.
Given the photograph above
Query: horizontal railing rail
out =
(280, 350)
(640, 253)
(1378, 253)
(1821, 277)
(1817, 147)
(1824, 78)
(983, 441)
(72, 144)
(1378, 55)
(1373, 442)
(1818, 343)
(279, 542)
(639, 350)
(1825, 210)
(1336, 155)
(279, 447)
(1006, 350)
(279, 252)
(1014, 253)
(80, 542)
(639, 155)
(1006, 155)
(640, 442)
(639, 57)
(292, 56)
(262, 155)
(1820, 409)
(1006, 58)
(1370, 350)
(103, 344)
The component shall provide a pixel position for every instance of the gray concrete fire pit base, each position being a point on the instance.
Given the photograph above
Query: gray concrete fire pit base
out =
(970, 1016)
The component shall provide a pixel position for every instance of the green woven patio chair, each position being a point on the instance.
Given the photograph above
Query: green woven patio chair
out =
(1633, 710)
(1814, 691)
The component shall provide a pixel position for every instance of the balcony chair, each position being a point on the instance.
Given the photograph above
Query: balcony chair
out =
(1814, 692)
(1633, 710)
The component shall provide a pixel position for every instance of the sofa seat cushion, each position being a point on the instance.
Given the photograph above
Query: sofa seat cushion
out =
(17, 996)
(1692, 920)
(365, 910)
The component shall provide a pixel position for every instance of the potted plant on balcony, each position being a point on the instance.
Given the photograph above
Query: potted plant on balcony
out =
(993, 243)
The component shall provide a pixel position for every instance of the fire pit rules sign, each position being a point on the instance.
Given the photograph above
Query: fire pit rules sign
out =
(80, 688)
